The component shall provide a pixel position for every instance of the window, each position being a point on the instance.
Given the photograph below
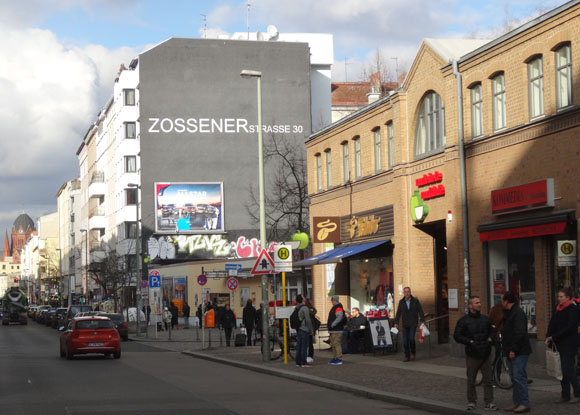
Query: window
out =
(536, 87)
(130, 164)
(132, 262)
(318, 172)
(328, 169)
(130, 130)
(498, 101)
(430, 131)
(129, 96)
(345, 162)
(357, 160)
(563, 77)
(391, 142)
(476, 111)
(130, 230)
(378, 161)
(130, 197)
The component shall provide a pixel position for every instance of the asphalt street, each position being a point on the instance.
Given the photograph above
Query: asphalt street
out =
(150, 380)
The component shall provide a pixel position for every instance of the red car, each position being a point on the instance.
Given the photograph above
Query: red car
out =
(91, 334)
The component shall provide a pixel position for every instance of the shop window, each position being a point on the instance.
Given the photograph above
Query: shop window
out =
(498, 101)
(476, 111)
(536, 87)
(511, 267)
(430, 129)
(563, 77)
(372, 284)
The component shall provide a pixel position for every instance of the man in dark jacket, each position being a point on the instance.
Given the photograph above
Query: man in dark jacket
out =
(228, 322)
(335, 324)
(475, 331)
(410, 310)
(249, 320)
(516, 346)
(186, 313)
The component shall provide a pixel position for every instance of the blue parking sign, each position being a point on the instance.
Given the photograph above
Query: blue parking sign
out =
(154, 279)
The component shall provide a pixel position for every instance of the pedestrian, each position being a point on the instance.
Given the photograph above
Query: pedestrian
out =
(411, 312)
(304, 331)
(516, 346)
(199, 315)
(315, 326)
(166, 318)
(475, 331)
(335, 324)
(174, 316)
(249, 320)
(563, 331)
(228, 323)
(186, 312)
(356, 327)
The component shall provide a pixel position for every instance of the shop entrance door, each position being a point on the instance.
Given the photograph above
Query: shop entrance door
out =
(438, 232)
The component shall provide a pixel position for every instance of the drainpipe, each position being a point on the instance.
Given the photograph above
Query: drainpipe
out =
(465, 223)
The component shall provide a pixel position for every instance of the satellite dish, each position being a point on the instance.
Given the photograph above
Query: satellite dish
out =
(260, 35)
(272, 31)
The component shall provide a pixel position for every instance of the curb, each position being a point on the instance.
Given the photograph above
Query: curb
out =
(401, 399)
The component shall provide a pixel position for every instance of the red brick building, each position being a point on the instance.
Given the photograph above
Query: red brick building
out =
(21, 230)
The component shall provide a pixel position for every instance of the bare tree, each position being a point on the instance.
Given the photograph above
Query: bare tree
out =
(378, 63)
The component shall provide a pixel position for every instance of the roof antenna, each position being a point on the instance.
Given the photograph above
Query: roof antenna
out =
(204, 25)
(248, 19)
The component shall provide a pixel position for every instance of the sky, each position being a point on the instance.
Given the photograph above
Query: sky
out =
(59, 59)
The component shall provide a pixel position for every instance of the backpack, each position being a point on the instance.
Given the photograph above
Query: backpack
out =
(295, 318)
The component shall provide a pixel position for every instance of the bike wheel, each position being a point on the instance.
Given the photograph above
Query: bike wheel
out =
(276, 349)
(501, 374)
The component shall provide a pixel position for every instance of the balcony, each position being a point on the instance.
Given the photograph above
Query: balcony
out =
(97, 186)
(97, 219)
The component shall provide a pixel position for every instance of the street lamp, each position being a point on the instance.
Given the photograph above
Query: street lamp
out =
(137, 255)
(85, 275)
(265, 326)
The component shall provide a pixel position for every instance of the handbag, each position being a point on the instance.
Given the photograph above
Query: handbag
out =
(553, 366)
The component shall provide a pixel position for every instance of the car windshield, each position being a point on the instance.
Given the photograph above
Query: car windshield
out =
(78, 309)
(94, 324)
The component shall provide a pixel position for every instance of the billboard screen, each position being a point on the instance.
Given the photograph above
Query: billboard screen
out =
(189, 207)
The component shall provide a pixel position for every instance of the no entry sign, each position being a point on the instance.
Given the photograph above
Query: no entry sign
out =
(232, 284)
(201, 279)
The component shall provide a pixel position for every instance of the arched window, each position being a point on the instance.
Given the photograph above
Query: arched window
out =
(430, 130)
(563, 76)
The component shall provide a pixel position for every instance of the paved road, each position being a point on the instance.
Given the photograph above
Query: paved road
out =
(149, 380)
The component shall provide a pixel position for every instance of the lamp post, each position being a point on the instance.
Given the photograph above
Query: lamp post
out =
(85, 275)
(137, 257)
(265, 326)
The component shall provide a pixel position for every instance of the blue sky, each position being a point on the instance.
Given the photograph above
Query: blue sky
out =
(59, 59)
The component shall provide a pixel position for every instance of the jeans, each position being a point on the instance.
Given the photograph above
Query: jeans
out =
(228, 332)
(473, 365)
(569, 377)
(409, 340)
(519, 377)
(249, 334)
(302, 340)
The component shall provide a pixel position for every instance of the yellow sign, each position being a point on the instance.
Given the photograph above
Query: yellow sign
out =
(283, 253)
(364, 226)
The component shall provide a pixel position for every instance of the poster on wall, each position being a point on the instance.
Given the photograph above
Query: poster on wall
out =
(189, 207)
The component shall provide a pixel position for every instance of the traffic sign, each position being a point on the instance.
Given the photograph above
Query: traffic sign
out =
(283, 258)
(154, 279)
(264, 264)
(232, 284)
(201, 279)
(234, 266)
(144, 284)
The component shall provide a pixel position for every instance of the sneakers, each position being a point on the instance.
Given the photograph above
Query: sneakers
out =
(470, 406)
(307, 365)
(521, 409)
(574, 400)
(309, 360)
(491, 407)
(406, 359)
(335, 362)
(412, 357)
(510, 408)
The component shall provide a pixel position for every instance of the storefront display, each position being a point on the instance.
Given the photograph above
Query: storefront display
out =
(371, 284)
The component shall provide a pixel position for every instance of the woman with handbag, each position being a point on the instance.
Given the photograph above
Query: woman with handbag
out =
(563, 332)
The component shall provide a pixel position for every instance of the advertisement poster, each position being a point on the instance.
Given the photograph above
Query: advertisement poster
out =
(189, 207)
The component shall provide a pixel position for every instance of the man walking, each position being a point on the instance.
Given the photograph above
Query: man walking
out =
(303, 333)
(335, 324)
(410, 310)
(186, 313)
(475, 331)
(516, 346)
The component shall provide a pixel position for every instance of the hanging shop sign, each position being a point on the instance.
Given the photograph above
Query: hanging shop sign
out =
(326, 229)
(529, 196)
(370, 224)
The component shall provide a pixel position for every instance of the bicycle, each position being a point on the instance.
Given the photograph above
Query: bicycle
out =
(499, 366)
(277, 343)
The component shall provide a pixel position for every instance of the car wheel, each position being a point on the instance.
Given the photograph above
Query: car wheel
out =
(117, 355)
(69, 355)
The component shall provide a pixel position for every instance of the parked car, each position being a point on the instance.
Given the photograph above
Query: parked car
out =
(38, 311)
(120, 324)
(49, 316)
(31, 310)
(58, 319)
(41, 316)
(72, 311)
(94, 334)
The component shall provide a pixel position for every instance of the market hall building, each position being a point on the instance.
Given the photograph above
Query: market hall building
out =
(386, 182)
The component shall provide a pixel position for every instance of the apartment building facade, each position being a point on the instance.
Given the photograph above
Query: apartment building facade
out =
(388, 180)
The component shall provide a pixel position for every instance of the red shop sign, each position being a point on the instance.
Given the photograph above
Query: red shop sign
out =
(523, 232)
(528, 196)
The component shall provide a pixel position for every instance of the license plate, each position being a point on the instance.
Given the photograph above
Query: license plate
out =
(96, 344)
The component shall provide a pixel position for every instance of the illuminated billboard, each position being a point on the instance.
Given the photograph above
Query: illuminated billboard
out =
(189, 207)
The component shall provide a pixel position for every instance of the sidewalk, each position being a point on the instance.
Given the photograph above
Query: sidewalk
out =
(436, 384)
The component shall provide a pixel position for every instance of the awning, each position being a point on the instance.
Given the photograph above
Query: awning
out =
(337, 254)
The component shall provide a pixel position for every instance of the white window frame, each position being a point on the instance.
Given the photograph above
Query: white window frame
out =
(430, 129)
(563, 61)
(129, 97)
(536, 87)
(498, 102)
(391, 143)
(328, 156)
(357, 158)
(130, 161)
(318, 172)
(345, 162)
(130, 133)
(378, 148)
(476, 110)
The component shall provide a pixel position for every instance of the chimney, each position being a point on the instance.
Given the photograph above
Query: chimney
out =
(375, 84)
